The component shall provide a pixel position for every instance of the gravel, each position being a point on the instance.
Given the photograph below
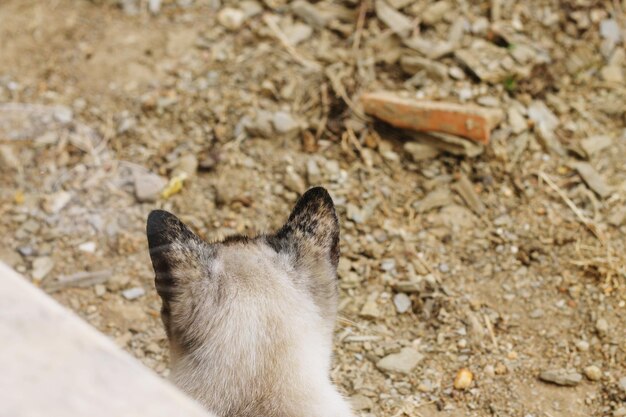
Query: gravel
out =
(561, 377)
(403, 362)
(134, 293)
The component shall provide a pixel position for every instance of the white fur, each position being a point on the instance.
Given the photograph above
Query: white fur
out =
(267, 341)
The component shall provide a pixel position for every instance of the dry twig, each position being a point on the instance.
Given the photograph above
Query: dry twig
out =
(579, 214)
(307, 63)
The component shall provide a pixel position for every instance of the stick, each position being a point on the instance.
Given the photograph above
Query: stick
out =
(288, 46)
(490, 330)
(579, 214)
(359, 25)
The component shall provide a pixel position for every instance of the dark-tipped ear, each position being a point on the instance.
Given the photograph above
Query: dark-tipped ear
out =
(312, 227)
(176, 252)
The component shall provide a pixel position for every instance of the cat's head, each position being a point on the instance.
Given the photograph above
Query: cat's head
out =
(206, 287)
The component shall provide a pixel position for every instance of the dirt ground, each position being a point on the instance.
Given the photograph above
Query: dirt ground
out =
(508, 263)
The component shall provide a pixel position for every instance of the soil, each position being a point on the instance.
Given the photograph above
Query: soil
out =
(528, 277)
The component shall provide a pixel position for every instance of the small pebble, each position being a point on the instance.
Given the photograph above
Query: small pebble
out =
(99, 290)
(456, 73)
(231, 18)
(561, 377)
(89, 247)
(403, 362)
(42, 267)
(582, 345)
(133, 293)
(402, 302)
(284, 122)
(463, 379)
(593, 373)
(26, 250)
(602, 326)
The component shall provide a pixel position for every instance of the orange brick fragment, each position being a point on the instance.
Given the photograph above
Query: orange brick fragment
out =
(466, 120)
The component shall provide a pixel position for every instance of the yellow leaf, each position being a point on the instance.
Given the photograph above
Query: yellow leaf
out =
(174, 186)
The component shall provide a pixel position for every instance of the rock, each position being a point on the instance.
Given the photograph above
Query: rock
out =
(56, 202)
(612, 74)
(402, 302)
(403, 362)
(620, 412)
(593, 373)
(310, 13)
(148, 186)
(284, 122)
(609, 30)
(370, 309)
(360, 402)
(434, 12)
(617, 216)
(154, 6)
(231, 18)
(594, 144)
(463, 379)
(465, 120)
(591, 177)
(561, 377)
(89, 247)
(439, 197)
(10, 257)
(484, 60)
(42, 267)
(540, 114)
(130, 7)
(356, 214)
(26, 251)
(536, 313)
(545, 122)
(250, 8)
(516, 120)
(313, 173)
(456, 73)
(133, 293)
(467, 192)
(293, 181)
(582, 345)
(425, 386)
(457, 217)
(63, 115)
(480, 26)
(432, 49)
(297, 33)
(187, 164)
(99, 290)
(396, 21)
(421, 151)
(414, 64)
(261, 125)
(8, 157)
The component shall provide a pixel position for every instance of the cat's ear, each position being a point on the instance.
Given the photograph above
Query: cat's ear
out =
(177, 253)
(312, 229)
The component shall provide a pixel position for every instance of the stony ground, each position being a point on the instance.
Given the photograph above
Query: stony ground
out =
(476, 280)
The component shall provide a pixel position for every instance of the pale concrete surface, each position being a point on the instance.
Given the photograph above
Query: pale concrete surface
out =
(54, 364)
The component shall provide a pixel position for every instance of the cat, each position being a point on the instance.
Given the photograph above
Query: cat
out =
(250, 320)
